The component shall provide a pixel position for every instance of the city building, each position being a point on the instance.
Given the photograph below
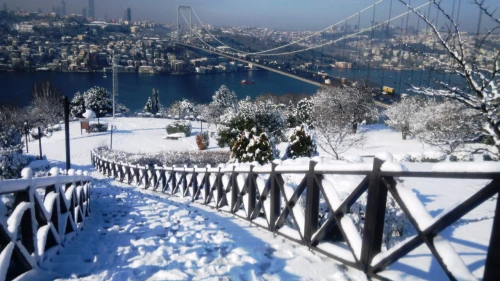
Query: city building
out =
(63, 11)
(84, 12)
(91, 9)
(127, 15)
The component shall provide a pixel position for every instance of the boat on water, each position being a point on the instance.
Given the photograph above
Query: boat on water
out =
(247, 82)
(104, 75)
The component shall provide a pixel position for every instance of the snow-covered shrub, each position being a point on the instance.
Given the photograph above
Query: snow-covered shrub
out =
(461, 157)
(401, 157)
(433, 156)
(11, 163)
(12, 160)
(179, 127)
(203, 141)
(263, 117)
(352, 158)
(168, 158)
(249, 148)
(395, 219)
(97, 128)
(490, 157)
(301, 144)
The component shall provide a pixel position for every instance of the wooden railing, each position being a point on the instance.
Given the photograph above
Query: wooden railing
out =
(261, 195)
(44, 213)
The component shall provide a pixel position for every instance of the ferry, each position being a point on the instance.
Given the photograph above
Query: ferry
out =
(247, 82)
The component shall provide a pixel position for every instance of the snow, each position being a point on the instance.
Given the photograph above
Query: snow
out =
(452, 261)
(475, 167)
(203, 243)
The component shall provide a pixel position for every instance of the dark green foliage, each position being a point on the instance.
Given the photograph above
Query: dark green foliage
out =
(301, 144)
(249, 148)
(153, 104)
(304, 112)
(96, 128)
(179, 127)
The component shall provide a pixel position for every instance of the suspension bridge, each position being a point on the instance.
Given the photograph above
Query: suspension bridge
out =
(413, 39)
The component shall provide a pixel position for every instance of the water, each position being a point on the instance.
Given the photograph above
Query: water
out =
(134, 89)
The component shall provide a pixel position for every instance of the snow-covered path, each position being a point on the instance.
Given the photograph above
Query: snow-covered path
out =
(138, 235)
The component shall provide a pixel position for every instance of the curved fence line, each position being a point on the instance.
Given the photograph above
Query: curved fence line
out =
(42, 214)
(260, 195)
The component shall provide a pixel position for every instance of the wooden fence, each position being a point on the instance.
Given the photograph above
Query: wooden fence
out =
(42, 214)
(260, 194)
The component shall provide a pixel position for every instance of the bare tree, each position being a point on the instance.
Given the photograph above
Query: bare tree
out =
(447, 125)
(47, 106)
(333, 118)
(401, 114)
(481, 93)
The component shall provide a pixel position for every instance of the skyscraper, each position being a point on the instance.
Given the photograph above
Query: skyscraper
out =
(91, 9)
(127, 14)
(84, 12)
(63, 11)
(5, 8)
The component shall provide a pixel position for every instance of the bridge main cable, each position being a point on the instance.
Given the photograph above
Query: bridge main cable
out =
(289, 44)
(324, 44)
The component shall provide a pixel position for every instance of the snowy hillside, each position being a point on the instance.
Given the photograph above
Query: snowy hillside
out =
(140, 235)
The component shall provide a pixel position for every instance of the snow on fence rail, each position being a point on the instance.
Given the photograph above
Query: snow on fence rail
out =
(45, 213)
(261, 195)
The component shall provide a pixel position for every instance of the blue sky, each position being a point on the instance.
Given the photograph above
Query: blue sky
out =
(276, 14)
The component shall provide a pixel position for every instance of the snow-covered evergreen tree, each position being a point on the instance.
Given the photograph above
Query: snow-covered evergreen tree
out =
(265, 117)
(153, 104)
(149, 105)
(99, 100)
(301, 144)
(290, 113)
(250, 147)
(401, 114)
(304, 112)
(223, 100)
(77, 106)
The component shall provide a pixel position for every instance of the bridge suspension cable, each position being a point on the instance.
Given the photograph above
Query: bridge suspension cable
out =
(320, 45)
(291, 43)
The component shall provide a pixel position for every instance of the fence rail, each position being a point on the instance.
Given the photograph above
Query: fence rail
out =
(42, 214)
(261, 195)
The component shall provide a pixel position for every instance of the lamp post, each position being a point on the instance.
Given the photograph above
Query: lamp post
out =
(66, 133)
(26, 131)
(110, 128)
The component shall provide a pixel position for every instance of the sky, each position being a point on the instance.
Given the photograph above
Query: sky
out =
(275, 14)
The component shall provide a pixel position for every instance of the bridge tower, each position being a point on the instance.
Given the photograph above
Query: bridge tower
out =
(180, 19)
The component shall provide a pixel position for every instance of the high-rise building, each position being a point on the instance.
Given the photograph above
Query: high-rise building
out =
(84, 12)
(91, 9)
(63, 11)
(5, 9)
(58, 11)
(127, 14)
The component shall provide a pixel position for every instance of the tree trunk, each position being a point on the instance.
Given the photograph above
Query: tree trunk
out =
(354, 127)
(404, 135)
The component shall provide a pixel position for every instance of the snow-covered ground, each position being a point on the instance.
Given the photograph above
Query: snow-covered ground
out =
(136, 235)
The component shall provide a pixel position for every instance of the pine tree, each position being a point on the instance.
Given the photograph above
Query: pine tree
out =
(304, 112)
(149, 106)
(99, 100)
(301, 144)
(77, 105)
(155, 102)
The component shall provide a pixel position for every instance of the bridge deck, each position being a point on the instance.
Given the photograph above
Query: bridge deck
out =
(315, 83)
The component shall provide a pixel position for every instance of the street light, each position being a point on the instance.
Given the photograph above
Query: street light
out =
(111, 127)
